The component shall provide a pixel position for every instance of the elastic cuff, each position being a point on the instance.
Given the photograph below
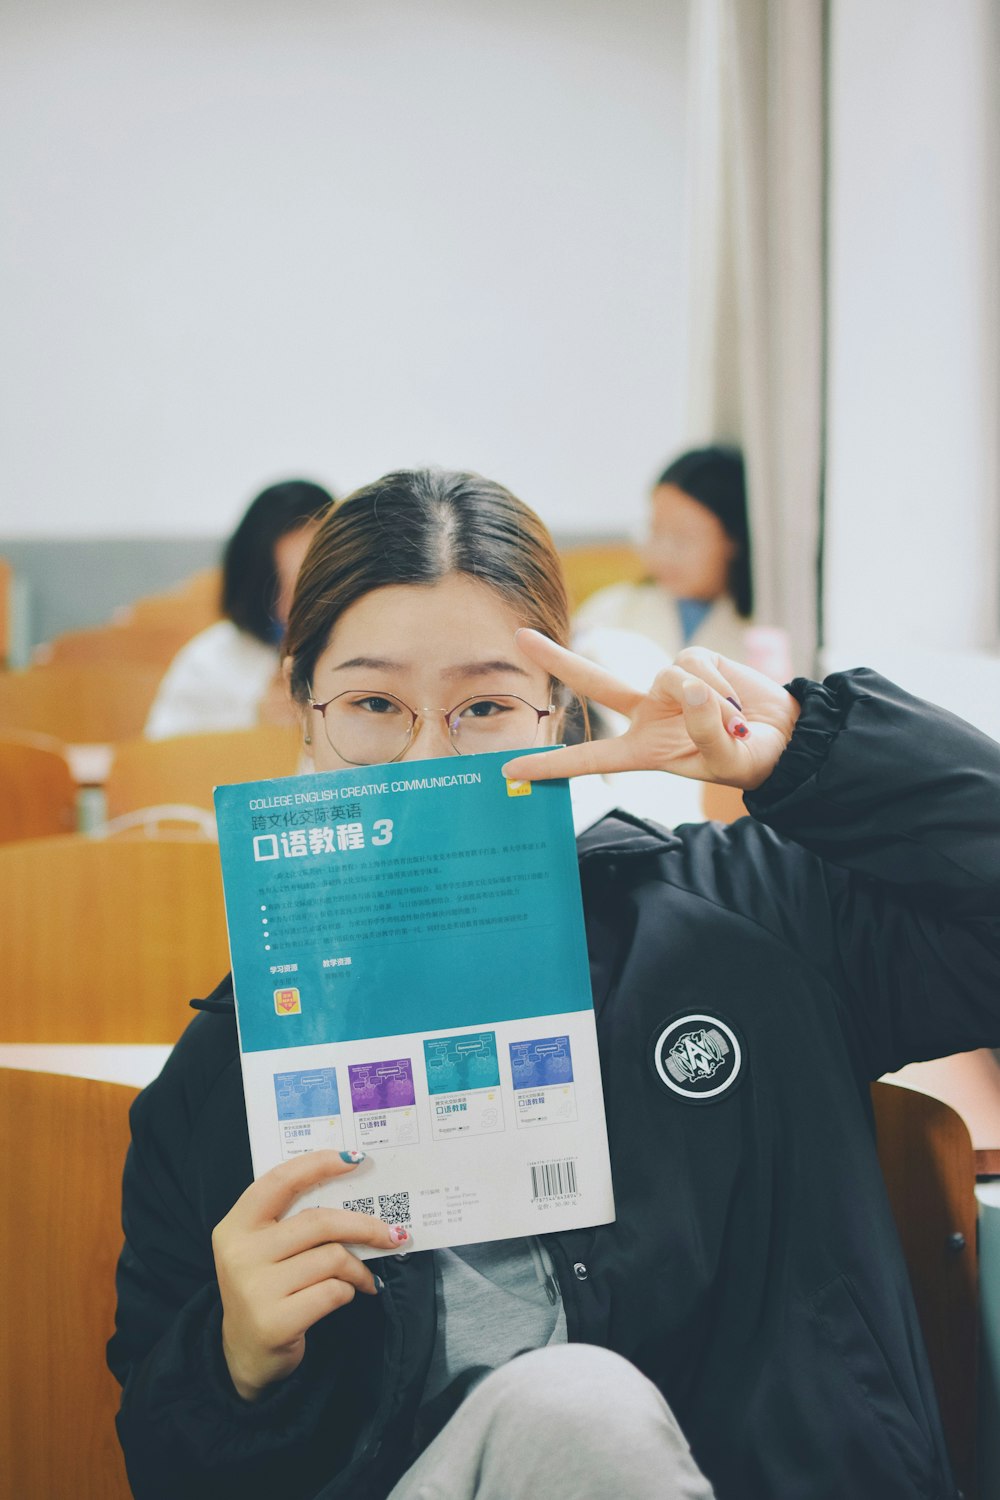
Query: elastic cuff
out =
(818, 725)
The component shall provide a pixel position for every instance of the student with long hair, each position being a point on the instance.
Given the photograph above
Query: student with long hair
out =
(698, 590)
(223, 678)
(745, 1327)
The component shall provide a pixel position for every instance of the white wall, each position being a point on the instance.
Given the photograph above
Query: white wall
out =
(912, 500)
(255, 237)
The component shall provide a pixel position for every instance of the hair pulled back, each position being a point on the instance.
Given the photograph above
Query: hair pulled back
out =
(716, 478)
(418, 526)
(249, 574)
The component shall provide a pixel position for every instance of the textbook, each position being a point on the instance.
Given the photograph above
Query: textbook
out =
(411, 979)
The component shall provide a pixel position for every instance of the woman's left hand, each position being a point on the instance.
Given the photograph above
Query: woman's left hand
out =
(704, 717)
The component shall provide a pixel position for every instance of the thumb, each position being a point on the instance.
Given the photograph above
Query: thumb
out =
(704, 723)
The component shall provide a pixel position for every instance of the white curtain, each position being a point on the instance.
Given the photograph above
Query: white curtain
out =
(757, 284)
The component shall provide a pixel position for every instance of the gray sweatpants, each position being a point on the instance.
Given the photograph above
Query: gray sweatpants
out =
(568, 1422)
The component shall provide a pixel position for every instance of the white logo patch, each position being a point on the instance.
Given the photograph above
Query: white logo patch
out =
(698, 1057)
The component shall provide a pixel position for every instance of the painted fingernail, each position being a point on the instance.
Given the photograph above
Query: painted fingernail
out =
(739, 729)
(695, 693)
(379, 1284)
(736, 704)
(351, 1157)
(398, 1234)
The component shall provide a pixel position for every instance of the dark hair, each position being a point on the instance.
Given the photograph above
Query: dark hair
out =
(419, 526)
(249, 576)
(715, 477)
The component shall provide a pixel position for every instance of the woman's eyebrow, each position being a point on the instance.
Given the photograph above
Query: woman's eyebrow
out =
(484, 669)
(376, 663)
(462, 669)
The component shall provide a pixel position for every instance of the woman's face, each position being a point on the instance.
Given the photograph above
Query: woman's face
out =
(432, 646)
(688, 550)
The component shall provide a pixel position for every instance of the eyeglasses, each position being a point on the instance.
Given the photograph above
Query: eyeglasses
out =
(367, 728)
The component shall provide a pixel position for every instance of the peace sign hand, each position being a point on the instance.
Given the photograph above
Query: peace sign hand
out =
(704, 717)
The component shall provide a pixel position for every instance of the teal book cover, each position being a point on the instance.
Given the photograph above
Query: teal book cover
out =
(410, 969)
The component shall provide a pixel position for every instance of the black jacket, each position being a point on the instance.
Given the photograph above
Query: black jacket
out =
(749, 982)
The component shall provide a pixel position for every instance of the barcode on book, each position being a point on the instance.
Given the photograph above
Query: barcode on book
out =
(553, 1179)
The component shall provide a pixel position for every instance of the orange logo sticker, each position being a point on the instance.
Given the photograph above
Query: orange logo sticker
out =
(287, 1003)
(519, 789)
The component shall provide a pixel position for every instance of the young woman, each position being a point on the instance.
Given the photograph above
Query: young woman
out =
(226, 676)
(697, 551)
(751, 1299)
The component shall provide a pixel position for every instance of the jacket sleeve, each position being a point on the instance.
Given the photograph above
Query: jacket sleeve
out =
(900, 801)
(183, 1429)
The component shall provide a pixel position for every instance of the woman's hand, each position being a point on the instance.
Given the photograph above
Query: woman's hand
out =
(278, 1277)
(705, 717)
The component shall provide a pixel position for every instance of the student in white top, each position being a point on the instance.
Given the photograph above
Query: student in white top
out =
(227, 677)
(698, 592)
(697, 550)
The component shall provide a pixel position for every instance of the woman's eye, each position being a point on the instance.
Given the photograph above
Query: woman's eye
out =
(485, 708)
(373, 704)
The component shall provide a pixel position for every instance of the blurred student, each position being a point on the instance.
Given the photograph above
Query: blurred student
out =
(228, 677)
(697, 551)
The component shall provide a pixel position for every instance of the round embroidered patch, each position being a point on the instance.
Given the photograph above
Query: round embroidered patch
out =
(697, 1056)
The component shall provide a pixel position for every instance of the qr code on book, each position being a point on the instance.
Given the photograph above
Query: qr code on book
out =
(394, 1208)
(361, 1205)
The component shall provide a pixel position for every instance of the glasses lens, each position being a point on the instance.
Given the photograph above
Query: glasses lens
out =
(482, 724)
(367, 728)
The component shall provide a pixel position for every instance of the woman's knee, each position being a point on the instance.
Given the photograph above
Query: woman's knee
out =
(575, 1385)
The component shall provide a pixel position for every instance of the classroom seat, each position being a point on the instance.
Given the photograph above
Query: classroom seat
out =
(139, 644)
(105, 940)
(6, 584)
(62, 1143)
(595, 566)
(39, 793)
(79, 703)
(928, 1163)
(195, 601)
(722, 804)
(184, 768)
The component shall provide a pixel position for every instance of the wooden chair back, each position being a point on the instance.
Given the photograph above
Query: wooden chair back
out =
(722, 804)
(929, 1168)
(594, 567)
(62, 1142)
(141, 645)
(107, 941)
(195, 602)
(39, 793)
(6, 580)
(79, 703)
(186, 767)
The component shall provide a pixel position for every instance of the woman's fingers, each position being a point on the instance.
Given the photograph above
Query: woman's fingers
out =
(671, 685)
(705, 723)
(584, 677)
(596, 757)
(696, 661)
(324, 1226)
(272, 1195)
(330, 1262)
